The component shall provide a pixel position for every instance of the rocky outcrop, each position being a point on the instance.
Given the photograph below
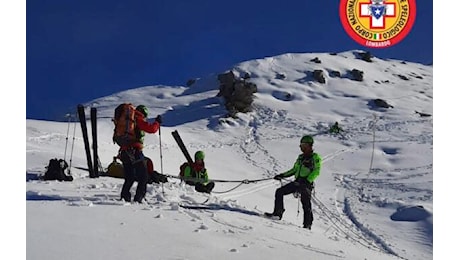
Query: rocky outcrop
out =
(280, 76)
(365, 56)
(421, 114)
(334, 74)
(357, 75)
(237, 93)
(403, 77)
(381, 103)
(318, 75)
(316, 60)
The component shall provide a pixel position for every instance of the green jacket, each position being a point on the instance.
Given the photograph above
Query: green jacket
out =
(190, 175)
(335, 129)
(305, 168)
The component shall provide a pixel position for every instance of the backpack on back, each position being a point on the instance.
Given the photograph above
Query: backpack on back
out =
(125, 124)
(182, 170)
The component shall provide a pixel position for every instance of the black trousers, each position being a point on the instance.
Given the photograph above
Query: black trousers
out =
(304, 188)
(135, 170)
(200, 187)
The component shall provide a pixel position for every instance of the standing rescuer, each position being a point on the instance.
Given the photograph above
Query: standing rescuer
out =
(306, 169)
(132, 157)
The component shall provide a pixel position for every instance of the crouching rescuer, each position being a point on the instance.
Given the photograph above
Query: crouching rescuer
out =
(306, 169)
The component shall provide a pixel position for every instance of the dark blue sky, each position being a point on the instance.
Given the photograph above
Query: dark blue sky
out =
(82, 50)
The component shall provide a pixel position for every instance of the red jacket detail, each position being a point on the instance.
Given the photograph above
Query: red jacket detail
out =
(143, 125)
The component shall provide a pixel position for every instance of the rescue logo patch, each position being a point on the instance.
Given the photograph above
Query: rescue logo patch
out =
(377, 23)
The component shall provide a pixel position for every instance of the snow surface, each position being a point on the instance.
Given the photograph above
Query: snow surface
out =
(373, 199)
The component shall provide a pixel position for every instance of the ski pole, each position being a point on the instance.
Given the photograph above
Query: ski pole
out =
(161, 159)
(67, 136)
(71, 150)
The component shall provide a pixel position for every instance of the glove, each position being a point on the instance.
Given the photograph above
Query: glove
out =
(158, 119)
(278, 177)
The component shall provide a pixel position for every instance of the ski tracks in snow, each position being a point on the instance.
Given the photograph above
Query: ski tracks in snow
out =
(257, 155)
(357, 192)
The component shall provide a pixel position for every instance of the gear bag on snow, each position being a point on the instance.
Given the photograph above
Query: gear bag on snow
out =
(125, 124)
(55, 171)
(115, 169)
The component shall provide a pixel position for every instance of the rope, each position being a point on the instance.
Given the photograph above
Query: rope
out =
(241, 182)
(220, 192)
(246, 181)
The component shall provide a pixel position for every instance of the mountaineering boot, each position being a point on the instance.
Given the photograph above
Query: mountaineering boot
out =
(275, 215)
(270, 215)
(125, 197)
(307, 227)
(209, 187)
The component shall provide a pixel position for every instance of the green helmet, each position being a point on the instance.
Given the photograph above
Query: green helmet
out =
(199, 155)
(143, 109)
(306, 139)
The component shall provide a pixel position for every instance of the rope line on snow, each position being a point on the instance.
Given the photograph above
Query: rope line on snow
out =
(245, 181)
(221, 192)
(240, 182)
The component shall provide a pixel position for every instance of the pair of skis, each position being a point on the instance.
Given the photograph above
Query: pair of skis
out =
(93, 168)
(182, 147)
(93, 164)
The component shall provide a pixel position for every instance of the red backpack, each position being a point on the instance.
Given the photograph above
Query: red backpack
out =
(125, 124)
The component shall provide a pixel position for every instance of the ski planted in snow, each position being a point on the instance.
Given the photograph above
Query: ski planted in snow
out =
(182, 147)
(84, 130)
(94, 133)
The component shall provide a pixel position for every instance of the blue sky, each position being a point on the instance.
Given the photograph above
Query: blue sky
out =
(78, 51)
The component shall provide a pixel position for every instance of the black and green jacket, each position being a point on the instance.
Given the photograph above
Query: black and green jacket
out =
(307, 167)
(194, 176)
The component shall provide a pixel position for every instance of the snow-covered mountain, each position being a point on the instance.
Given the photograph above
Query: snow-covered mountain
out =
(373, 199)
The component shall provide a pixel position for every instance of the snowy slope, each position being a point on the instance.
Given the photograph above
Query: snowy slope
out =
(373, 199)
